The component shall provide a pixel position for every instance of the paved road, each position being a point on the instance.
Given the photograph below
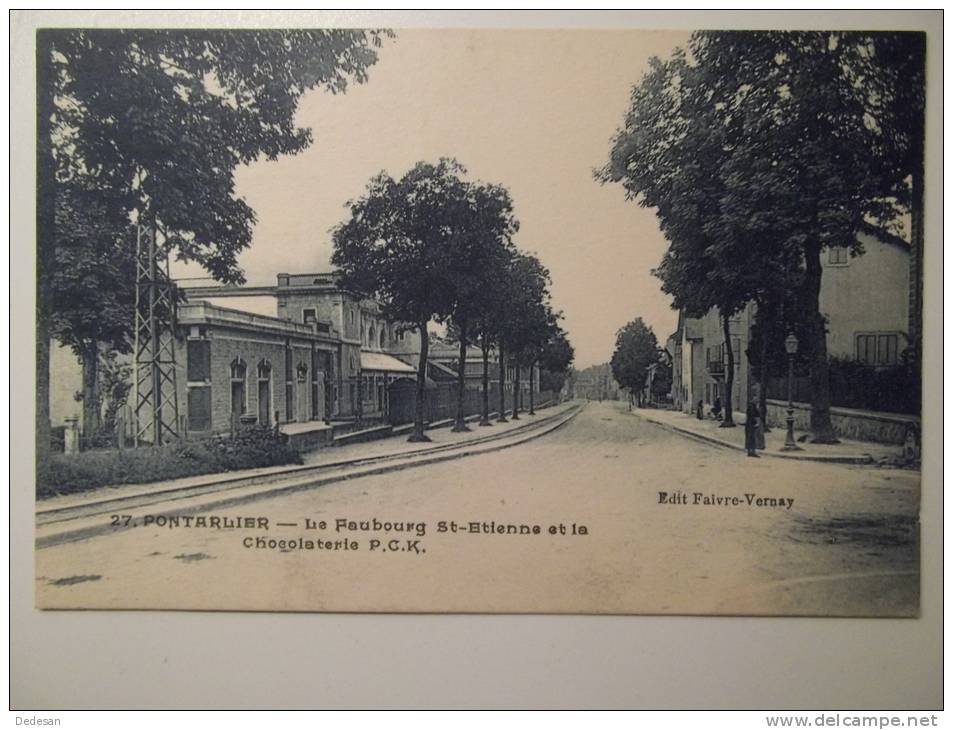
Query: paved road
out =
(847, 544)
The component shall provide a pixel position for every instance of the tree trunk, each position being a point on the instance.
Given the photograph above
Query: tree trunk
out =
(418, 434)
(822, 429)
(45, 247)
(729, 419)
(485, 413)
(461, 419)
(90, 363)
(516, 388)
(501, 416)
(532, 382)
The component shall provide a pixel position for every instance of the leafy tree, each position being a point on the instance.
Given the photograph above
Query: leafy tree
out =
(398, 246)
(894, 72)
(489, 319)
(158, 120)
(636, 348)
(662, 381)
(555, 360)
(759, 150)
(546, 329)
(822, 160)
(481, 247)
(527, 315)
(670, 156)
(93, 285)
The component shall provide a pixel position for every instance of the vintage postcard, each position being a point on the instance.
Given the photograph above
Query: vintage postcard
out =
(510, 321)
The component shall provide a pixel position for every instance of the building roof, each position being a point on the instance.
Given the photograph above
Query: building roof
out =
(202, 312)
(380, 362)
(884, 235)
(444, 350)
(440, 372)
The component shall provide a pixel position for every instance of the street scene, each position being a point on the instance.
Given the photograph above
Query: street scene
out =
(480, 321)
(845, 545)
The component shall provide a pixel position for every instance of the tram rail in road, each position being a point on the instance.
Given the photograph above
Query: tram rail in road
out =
(77, 521)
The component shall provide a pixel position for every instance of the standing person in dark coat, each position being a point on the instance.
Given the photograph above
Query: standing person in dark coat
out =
(752, 421)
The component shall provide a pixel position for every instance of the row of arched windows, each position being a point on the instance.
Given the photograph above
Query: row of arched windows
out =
(239, 377)
(240, 369)
(371, 336)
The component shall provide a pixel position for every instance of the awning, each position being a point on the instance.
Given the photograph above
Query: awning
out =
(381, 363)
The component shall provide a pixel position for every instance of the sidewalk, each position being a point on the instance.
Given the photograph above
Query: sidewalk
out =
(124, 508)
(327, 457)
(709, 430)
(439, 434)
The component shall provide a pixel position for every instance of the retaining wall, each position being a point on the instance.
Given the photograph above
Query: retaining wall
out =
(884, 428)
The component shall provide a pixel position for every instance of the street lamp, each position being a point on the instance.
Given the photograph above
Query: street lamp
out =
(790, 345)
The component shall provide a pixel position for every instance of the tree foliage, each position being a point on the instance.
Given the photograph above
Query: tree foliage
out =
(528, 314)
(150, 125)
(159, 120)
(419, 245)
(557, 353)
(758, 150)
(636, 348)
(95, 273)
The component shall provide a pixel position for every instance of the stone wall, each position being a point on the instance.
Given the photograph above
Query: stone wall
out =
(886, 428)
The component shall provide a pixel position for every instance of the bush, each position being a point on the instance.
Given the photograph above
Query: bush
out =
(249, 448)
(894, 389)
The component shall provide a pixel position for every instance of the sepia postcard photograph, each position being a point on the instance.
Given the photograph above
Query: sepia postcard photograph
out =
(459, 320)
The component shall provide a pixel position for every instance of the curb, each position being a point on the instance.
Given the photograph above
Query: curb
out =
(865, 459)
(103, 524)
(408, 427)
(215, 483)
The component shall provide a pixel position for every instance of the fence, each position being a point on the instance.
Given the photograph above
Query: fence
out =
(440, 402)
(854, 385)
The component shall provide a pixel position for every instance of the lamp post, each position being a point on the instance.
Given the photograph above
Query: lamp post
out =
(790, 346)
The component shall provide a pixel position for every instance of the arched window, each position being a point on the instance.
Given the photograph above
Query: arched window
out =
(383, 342)
(239, 369)
(371, 336)
(264, 393)
(239, 372)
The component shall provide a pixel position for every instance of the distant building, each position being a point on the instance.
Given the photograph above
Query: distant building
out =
(596, 383)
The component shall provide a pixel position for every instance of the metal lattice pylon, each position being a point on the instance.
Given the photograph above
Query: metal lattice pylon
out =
(156, 410)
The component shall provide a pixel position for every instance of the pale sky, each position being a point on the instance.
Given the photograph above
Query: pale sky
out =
(532, 110)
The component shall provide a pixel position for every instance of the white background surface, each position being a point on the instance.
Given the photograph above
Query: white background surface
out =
(99, 660)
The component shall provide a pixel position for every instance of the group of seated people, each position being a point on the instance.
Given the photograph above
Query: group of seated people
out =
(714, 411)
